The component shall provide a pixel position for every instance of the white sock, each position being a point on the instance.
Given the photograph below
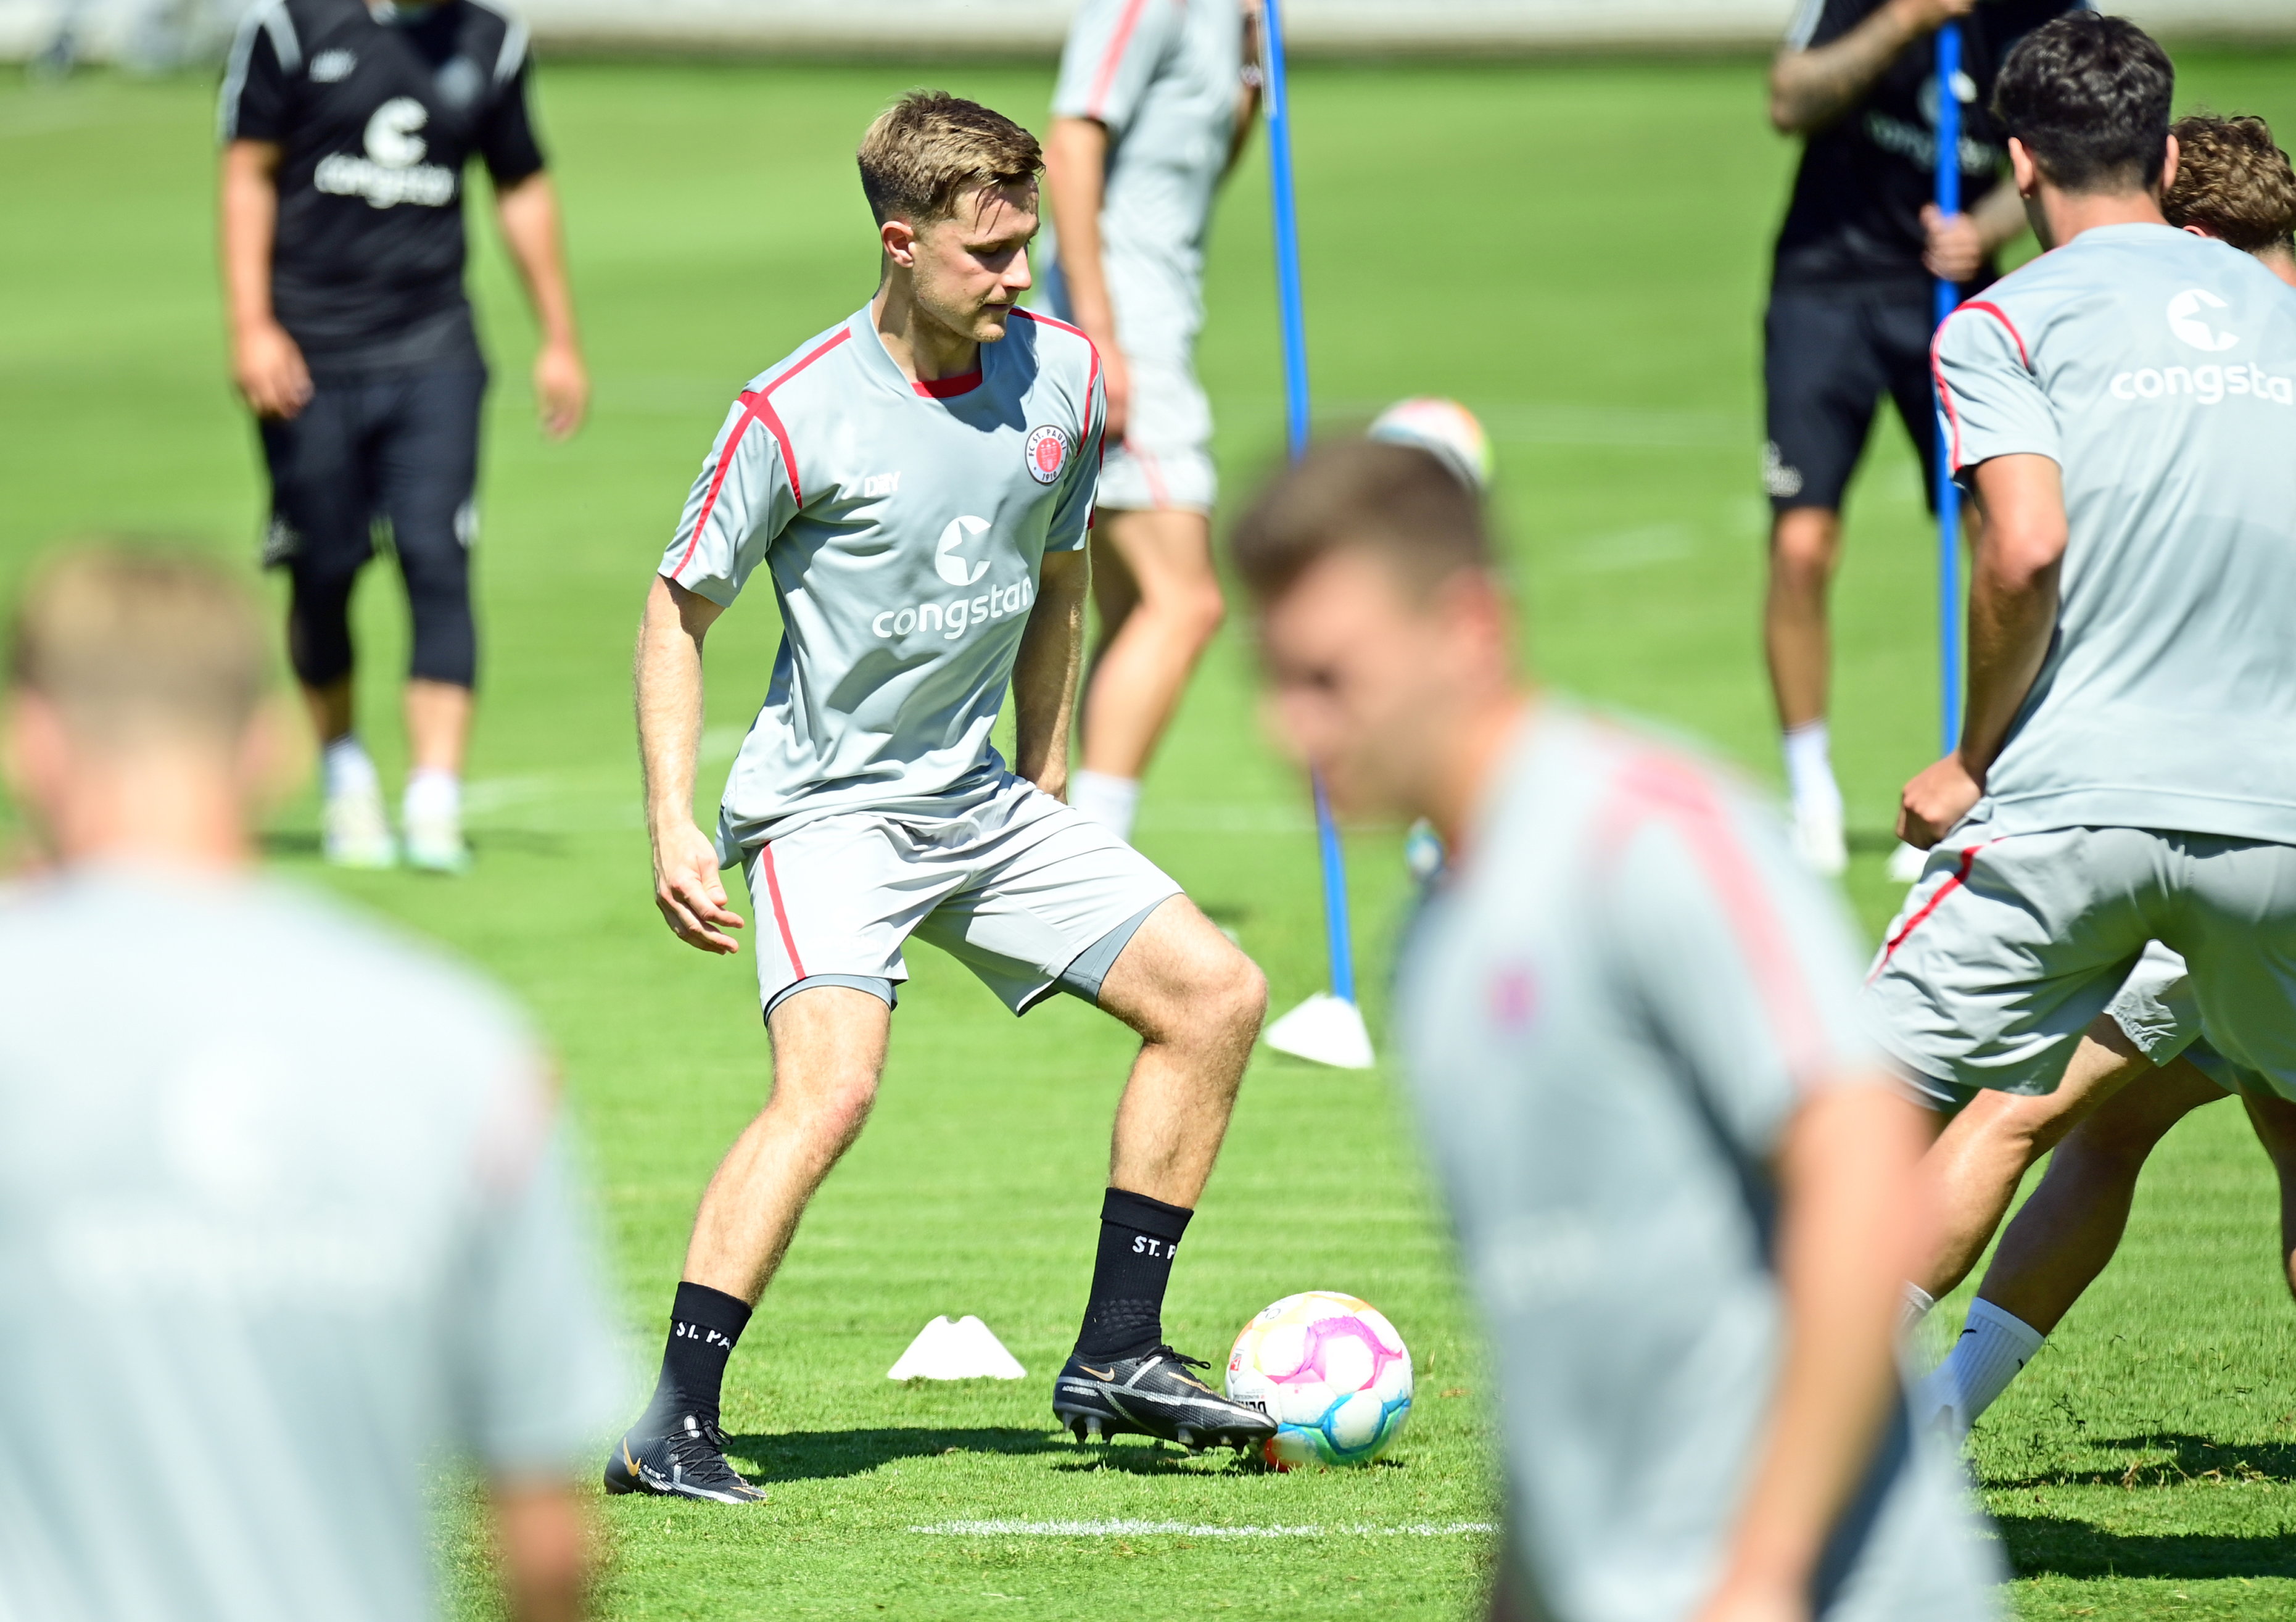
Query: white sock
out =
(1918, 1302)
(433, 793)
(344, 767)
(1994, 1346)
(1107, 799)
(1809, 770)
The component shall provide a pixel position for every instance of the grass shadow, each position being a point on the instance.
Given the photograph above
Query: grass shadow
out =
(1870, 841)
(2041, 1545)
(2165, 1459)
(824, 1455)
(1138, 1457)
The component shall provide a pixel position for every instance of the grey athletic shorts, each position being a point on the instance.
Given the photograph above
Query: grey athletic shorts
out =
(2156, 1011)
(1165, 461)
(1030, 895)
(2011, 944)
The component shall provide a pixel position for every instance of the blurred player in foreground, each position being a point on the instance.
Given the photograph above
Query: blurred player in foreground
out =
(918, 483)
(1851, 309)
(285, 1218)
(1681, 1180)
(345, 130)
(1154, 106)
(2235, 184)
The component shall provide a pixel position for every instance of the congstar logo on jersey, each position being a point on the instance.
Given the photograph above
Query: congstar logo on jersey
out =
(392, 170)
(2209, 385)
(958, 615)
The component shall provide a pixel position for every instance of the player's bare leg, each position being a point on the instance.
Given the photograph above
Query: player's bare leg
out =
(1197, 1003)
(2275, 1120)
(829, 1051)
(1985, 1151)
(1805, 549)
(1159, 600)
(438, 732)
(2063, 1236)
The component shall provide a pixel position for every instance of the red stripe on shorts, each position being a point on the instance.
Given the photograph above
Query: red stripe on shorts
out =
(780, 913)
(1959, 877)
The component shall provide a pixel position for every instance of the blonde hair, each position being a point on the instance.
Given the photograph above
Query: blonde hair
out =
(929, 150)
(2232, 180)
(131, 643)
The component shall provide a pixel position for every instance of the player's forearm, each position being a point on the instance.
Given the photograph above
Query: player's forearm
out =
(1045, 673)
(1076, 182)
(530, 227)
(1811, 88)
(2013, 597)
(247, 223)
(543, 1534)
(669, 702)
(1849, 1228)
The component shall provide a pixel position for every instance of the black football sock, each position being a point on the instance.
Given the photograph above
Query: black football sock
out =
(1138, 1238)
(704, 1323)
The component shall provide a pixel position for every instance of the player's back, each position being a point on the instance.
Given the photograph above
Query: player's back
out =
(283, 1229)
(2159, 370)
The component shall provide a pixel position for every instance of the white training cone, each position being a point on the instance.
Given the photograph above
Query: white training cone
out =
(1325, 1028)
(965, 1349)
(1906, 864)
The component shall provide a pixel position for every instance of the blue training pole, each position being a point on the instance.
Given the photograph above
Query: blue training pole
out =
(1948, 492)
(1338, 938)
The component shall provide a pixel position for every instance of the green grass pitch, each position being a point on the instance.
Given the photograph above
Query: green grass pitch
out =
(1576, 250)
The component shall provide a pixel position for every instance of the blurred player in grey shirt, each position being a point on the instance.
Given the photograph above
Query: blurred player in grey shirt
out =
(1681, 1182)
(285, 1220)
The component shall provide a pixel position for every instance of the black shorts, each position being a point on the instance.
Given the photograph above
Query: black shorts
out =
(1829, 355)
(402, 450)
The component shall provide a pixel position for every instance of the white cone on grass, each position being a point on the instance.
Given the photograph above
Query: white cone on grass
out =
(1906, 864)
(965, 1349)
(1326, 1030)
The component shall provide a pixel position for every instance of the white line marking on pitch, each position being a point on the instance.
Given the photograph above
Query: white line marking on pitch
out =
(1181, 1529)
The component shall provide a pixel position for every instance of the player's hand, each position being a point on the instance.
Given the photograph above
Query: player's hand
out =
(269, 370)
(562, 389)
(1117, 380)
(1956, 249)
(1738, 1601)
(689, 891)
(1935, 800)
(1927, 14)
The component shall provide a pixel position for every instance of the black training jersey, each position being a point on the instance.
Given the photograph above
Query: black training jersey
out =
(378, 108)
(1857, 212)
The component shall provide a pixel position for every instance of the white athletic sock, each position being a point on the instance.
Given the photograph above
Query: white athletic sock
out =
(432, 793)
(1809, 770)
(1994, 1346)
(1109, 801)
(1918, 1302)
(344, 767)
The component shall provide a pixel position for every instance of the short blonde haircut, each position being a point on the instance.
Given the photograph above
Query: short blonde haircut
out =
(2232, 181)
(929, 150)
(133, 643)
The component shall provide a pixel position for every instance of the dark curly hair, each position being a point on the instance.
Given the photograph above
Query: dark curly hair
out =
(2088, 96)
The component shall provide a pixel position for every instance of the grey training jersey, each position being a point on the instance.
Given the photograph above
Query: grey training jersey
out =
(902, 525)
(2158, 370)
(1162, 77)
(284, 1229)
(1610, 1012)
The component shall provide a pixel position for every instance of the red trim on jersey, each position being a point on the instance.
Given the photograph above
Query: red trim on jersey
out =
(1945, 398)
(1098, 100)
(757, 406)
(948, 387)
(1655, 787)
(1994, 310)
(781, 914)
(1959, 879)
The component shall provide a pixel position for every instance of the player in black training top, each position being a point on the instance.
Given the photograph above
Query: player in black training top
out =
(1851, 309)
(345, 126)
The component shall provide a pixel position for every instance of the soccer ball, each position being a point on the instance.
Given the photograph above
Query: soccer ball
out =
(1443, 427)
(1331, 1372)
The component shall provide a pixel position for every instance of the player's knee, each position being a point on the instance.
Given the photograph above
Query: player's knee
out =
(1233, 998)
(1201, 612)
(1805, 544)
(832, 1113)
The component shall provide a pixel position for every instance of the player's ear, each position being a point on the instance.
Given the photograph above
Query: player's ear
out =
(2168, 167)
(2023, 168)
(900, 241)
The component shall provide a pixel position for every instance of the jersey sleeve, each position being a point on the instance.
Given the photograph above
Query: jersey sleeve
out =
(537, 1368)
(1071, 524)
(1740, 959)
(506, 139)
(253, 105)
(740, 502)
(1994, 405)
(1113, 50)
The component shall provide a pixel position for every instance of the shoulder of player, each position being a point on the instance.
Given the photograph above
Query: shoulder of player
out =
(504, 32)
(1063, 356)
(809, 377)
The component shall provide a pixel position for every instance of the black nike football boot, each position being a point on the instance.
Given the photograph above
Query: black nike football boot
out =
(1152, 1394)
(689, 1462)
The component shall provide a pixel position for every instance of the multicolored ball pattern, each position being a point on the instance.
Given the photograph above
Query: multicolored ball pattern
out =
(1443, 427)
(1331, 1372)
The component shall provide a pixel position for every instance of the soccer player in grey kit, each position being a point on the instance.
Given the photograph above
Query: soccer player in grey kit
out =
(1682, 1184)
(916, 484)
